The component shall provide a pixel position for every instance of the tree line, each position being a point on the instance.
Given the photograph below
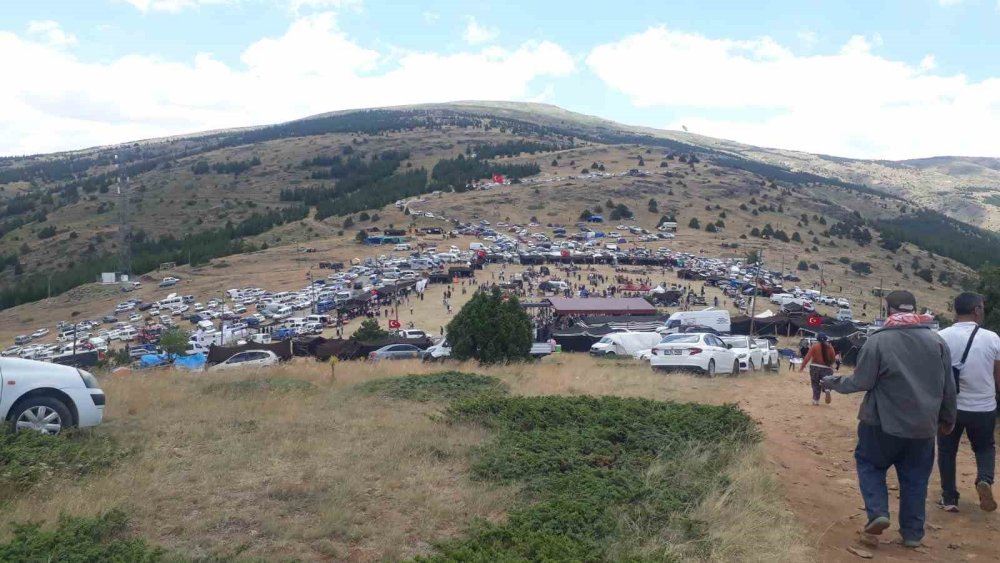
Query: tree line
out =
(148, 254)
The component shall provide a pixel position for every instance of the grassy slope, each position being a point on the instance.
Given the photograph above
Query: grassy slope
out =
(329, 472)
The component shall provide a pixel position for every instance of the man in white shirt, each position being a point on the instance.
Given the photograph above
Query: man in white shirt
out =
(978, 381)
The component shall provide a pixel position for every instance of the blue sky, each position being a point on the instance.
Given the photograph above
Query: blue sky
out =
(894, 79)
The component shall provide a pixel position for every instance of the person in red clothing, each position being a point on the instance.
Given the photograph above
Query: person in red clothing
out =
(820, 357)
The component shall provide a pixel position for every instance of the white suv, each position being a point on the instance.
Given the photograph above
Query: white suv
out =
(751, 357)
(48, 398)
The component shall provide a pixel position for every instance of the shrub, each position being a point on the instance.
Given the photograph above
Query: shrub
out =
(694, 224)
(844, 260)
(491, 328)
(711, 228)
(75, 539)
(803, 266)
(588, 465)
(369, 331)
(27, 458)
(174, 341)
(446, 386)
(862, 267)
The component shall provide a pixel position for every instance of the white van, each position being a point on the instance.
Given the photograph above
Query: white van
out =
(296, 323)
(845, 314)
(716, 319)
(477, 246)
(281, 313)
(172, 301)
(779, 298)
(321, 319)
(625, 343)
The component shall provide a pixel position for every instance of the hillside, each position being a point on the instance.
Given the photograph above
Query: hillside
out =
(203, 196)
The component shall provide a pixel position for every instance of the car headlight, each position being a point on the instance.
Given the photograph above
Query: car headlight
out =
(742, 355)
(89, 381)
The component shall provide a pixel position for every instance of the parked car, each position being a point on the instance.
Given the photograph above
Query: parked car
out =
(251, 359)
(396, 352)
(48, 398)
(772, 357)
(437, 352)
(751, 357)
(699, 351)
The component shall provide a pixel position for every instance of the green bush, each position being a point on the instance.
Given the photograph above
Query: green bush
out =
(79, 540)
(28, 458)
(369, 331)
(446, 386)
(491, 328)
(589, 466)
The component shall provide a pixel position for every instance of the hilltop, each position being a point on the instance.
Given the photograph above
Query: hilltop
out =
(202, 196)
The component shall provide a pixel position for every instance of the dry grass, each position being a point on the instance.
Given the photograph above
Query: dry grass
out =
(333, 474)
(314, 475)
(745, 519)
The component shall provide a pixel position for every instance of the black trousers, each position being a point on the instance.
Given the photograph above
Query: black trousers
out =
(979, 427)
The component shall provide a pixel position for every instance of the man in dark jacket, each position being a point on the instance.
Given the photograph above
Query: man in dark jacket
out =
(905, 371)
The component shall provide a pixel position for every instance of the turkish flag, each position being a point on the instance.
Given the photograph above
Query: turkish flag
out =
(498, 178)
(393, 323)
(815, 321)
(482, 254)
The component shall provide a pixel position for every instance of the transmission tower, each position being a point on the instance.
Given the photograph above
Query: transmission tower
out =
(124, 227)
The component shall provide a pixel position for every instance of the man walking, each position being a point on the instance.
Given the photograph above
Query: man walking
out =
(819, 358)
(905, 371)
(975, 356)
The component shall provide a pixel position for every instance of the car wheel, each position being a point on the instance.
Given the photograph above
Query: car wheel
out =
(711, 368)
(736, 367)
(41, 414)
(753, 368)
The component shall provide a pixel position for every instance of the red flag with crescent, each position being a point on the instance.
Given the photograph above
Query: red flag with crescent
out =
(815, 321)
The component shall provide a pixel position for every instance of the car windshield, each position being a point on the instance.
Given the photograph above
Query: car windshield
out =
(681, 339)
(737, 342)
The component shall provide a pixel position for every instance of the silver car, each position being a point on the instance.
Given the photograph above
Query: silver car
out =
(396, 352)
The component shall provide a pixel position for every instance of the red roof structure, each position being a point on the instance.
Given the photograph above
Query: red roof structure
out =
(601, 306)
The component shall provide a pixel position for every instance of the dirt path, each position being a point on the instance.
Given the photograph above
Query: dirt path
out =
(812, 450)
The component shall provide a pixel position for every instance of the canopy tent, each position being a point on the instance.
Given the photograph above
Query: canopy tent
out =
(601, 306)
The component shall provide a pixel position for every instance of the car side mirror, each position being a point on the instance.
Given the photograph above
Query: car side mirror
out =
(729, 346)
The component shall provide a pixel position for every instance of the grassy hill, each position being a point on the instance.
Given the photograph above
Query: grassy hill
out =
(198, 197)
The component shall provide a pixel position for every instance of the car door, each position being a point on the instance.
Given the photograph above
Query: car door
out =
(724, 356)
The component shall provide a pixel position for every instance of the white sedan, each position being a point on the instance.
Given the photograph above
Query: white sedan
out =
(772, 358)
(750, 355)
(251, 359)
(696, 351)
(48, 398)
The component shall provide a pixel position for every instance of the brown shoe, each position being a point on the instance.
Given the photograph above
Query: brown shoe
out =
(828, 398)
(986, 501)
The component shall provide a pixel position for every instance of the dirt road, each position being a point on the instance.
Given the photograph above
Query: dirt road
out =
(812, 450)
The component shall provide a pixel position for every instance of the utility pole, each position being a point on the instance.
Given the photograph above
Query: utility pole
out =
(756, 289)
(124, 227)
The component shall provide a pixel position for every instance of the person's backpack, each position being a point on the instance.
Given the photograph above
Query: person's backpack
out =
(957, 370)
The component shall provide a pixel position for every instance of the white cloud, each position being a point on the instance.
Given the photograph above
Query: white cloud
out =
(52, 100)
(850, 103)
(928, 62)
(431, 17)
(51, 32)
(476, 34)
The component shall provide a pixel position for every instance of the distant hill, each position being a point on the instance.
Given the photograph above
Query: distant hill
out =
(205, 195)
